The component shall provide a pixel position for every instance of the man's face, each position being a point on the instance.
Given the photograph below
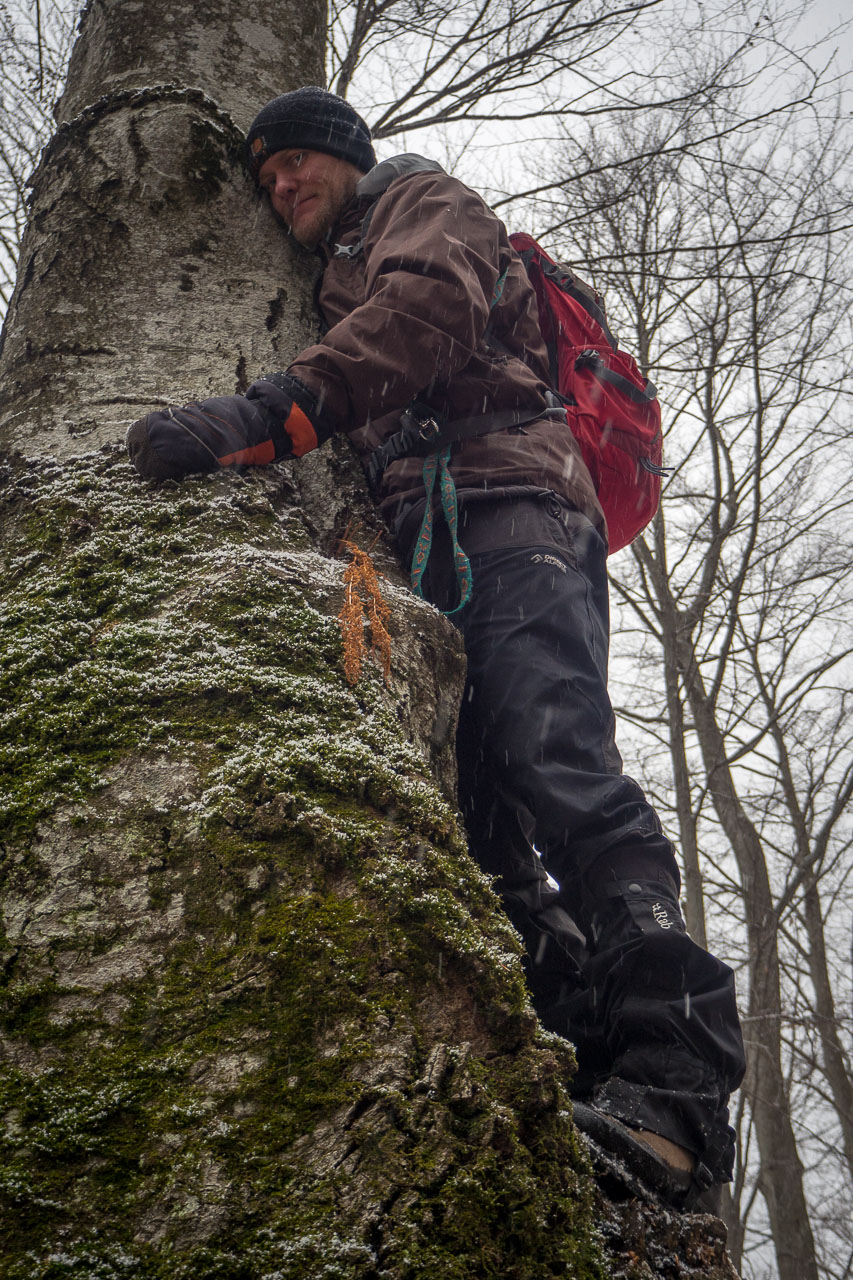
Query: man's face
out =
(308, 190)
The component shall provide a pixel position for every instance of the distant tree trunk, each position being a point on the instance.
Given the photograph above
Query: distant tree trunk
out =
(834, 1057)
(782, 1169)
(694, 897)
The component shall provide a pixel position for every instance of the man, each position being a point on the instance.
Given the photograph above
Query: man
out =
(432, 320)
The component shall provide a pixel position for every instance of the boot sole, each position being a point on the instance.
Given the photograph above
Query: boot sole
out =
(636, 1167)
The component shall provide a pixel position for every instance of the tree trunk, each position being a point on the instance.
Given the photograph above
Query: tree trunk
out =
(808, 861)
(694, 891)
(781, 1167)
(260, 1009)
(261, 1014)
(835, 1061)
(149, 271)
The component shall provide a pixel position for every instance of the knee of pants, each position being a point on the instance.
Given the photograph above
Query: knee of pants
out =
(636, 911)
(639, 945)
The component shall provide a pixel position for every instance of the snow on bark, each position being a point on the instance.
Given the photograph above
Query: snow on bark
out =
(261, 1010)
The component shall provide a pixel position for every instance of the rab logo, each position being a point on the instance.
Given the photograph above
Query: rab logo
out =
(659, 913)
(552, 560)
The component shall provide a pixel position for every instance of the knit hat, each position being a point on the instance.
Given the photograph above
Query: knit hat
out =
(314, 119)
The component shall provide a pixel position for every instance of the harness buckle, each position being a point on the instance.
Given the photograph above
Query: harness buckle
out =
(428, 429)
(348, 250)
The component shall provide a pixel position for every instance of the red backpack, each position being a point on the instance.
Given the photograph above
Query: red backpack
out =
(611, 408)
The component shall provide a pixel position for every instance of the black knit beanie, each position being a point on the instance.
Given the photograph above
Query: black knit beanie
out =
(314, 119)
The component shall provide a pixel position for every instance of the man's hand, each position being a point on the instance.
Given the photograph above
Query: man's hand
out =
(278, 417)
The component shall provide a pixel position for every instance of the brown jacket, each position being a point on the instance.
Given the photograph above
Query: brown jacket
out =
(407, 314)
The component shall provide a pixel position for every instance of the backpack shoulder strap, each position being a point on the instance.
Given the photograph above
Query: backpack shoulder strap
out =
(566, 278)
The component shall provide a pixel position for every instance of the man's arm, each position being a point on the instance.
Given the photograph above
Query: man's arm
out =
(432, 253)
(276, 418)
(432, 262)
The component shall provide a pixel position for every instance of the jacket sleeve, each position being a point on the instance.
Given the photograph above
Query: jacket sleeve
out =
(432, 260)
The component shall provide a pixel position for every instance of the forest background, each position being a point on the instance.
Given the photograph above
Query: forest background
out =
(694, 163)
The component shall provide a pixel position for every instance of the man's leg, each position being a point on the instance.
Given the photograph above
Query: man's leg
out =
(672, 1032)
(540, 723)
(501, 838)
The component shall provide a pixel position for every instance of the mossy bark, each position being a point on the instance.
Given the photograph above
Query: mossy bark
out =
(262, 1016)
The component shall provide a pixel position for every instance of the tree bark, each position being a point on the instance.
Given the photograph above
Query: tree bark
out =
(694, 892)
(810, 851)
(260, 1009)
(149, 271)
(261, 1013)
(835, 1060)
(781, 1167)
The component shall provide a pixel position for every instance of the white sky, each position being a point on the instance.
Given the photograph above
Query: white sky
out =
(504, 157)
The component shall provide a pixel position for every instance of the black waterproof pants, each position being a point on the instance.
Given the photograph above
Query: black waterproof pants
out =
(610, 966)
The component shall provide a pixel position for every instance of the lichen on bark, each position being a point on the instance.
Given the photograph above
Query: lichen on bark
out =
(261, 1014)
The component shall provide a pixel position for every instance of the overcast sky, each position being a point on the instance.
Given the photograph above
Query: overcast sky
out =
(826, 14)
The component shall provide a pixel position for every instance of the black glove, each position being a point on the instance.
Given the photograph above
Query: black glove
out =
(278, 417)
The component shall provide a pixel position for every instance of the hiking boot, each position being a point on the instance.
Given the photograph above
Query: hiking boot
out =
(679, 1159)
(670, 1171)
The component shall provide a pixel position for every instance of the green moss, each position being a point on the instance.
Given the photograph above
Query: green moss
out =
(322, 1065)
(25, 1008)
(119, 632)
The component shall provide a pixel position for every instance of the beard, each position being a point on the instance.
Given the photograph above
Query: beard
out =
(318, 211)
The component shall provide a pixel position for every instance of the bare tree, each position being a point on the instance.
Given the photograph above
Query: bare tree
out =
(411, 65)
(421, 64)
(34, 46)
(415, 64)
(726, 262)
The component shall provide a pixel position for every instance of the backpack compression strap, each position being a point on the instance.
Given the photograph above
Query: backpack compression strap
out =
(592, 360)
